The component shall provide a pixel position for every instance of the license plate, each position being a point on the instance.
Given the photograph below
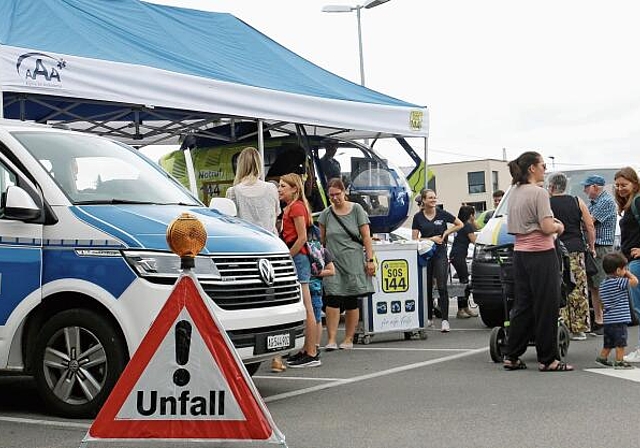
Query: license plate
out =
(278, 341)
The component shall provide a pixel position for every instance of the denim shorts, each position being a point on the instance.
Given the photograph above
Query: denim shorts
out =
(615, 335)
(316, 303)
(303, 267)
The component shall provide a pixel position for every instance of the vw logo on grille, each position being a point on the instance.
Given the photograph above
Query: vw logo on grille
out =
(267, 273)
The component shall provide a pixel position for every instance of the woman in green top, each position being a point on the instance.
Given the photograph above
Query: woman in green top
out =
(344, 229)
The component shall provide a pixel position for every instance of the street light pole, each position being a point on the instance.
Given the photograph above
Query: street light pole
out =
(347, 8)
(358, 8)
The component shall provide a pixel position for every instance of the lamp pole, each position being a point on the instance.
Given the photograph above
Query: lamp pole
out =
(347, 8)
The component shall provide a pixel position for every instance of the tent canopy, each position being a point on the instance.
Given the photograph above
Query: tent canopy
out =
(136, 70)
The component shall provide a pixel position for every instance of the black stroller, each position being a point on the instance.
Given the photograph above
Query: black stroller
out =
(499, 335)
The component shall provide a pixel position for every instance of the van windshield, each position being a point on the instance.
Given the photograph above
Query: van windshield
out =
(574, 185)
(94, 170)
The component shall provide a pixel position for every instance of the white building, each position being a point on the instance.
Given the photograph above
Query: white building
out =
(472, 182)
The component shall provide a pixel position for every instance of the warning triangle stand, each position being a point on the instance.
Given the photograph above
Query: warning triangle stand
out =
(185, 381)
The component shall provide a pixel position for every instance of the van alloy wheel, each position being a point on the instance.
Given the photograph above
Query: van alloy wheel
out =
(78, 359)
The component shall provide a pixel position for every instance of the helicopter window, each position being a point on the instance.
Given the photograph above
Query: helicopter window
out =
(368, 179)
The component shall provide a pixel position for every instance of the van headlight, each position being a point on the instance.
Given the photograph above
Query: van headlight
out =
(163, 265)
(482, 255)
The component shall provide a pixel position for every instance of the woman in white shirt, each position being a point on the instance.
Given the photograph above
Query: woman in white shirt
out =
(257, 201)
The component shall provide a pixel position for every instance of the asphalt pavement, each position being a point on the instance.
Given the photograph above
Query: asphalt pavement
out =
(442, 391)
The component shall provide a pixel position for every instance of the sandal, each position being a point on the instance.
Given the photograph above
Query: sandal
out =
(559, 367)
(517, 364)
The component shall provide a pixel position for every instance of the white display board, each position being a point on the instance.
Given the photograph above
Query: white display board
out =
(395, 305)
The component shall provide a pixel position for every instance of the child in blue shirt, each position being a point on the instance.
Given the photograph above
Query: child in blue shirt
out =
(614, 294)
(315, 286)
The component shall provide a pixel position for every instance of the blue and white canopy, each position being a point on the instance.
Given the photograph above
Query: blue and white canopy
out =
(144, 71)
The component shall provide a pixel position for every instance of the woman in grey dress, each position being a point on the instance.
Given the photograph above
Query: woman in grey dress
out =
(351, 245)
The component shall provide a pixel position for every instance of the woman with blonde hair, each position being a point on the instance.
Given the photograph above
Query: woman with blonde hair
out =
(627, 190)
(296, 218)
(256, 200)
(344, 229)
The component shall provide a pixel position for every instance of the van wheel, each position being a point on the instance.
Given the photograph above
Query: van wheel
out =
(78, 358)
(491, 316)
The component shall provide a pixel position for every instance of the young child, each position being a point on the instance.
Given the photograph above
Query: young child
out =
(614, 294)
(315, 286)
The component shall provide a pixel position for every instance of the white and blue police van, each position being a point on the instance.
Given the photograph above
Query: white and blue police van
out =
(85, 266)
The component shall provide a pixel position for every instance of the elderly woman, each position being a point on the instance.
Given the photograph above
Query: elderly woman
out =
(535, 267)
(344, 228)
(574, 214)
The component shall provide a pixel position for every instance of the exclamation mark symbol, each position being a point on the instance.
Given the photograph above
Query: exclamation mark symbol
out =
(181, 376)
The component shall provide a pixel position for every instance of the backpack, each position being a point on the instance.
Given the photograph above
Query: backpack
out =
(315, 251)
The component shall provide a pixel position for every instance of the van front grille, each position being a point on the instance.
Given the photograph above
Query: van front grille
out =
(242, 287)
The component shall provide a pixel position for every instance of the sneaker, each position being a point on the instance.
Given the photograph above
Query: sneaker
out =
(471, 312)
(346, 346)
(633, 356)
(277, 365)
(604, 362)
(331, 347)
(445, 326)
(292, 358)
(305, 361)
(578, 336)
(622, 365)
(429, 323)
(462, 314)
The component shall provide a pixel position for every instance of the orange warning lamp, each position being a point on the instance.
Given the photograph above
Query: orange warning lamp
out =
(186, 237)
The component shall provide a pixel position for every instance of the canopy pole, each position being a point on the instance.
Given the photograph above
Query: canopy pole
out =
(261, 146)
(426, 162)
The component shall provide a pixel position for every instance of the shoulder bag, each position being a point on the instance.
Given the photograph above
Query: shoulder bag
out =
(590, 265)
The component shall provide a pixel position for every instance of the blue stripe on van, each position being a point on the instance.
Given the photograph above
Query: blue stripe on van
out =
(110, 273)
(19, 276)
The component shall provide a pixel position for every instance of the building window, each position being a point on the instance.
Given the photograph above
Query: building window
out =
(478, 206)
(476, 182)
(494, 180)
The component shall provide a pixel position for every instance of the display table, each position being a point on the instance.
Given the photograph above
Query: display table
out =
(396, 305)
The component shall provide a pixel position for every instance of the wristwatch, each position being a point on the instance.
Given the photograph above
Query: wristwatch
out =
(370, 260)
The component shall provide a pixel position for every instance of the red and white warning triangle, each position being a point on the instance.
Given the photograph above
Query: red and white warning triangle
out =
(185, 382)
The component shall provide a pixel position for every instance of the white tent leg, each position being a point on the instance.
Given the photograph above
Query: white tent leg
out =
(426, 162)
(261, 146)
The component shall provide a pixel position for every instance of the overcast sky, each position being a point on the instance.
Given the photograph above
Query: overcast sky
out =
(558, 76)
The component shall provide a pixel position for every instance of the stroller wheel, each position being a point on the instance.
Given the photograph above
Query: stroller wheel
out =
(497, 343)
(564, 338)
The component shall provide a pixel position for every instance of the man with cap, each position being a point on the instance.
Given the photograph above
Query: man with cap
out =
(602, 209)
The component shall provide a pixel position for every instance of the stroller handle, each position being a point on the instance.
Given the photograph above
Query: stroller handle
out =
(497, 247)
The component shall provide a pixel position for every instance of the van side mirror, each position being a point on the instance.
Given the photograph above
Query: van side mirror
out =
(224, 205)
(18, 205)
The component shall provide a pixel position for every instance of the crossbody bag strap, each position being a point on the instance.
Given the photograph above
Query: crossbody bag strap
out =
(353, 237)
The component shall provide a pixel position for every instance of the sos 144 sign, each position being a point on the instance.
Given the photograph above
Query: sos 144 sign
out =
(395, 276)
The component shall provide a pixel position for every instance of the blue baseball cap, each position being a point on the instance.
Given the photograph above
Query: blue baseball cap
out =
(594, 179)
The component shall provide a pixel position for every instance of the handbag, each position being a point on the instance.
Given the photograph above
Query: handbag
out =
(590, 265)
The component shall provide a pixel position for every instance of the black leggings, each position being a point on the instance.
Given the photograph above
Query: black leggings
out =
(459, 263)
(437, 268)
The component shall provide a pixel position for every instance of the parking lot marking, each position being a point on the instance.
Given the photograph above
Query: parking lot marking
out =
(316, 378)
(32, 421)
(631, 374)
(409, 349)
(369, 376)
